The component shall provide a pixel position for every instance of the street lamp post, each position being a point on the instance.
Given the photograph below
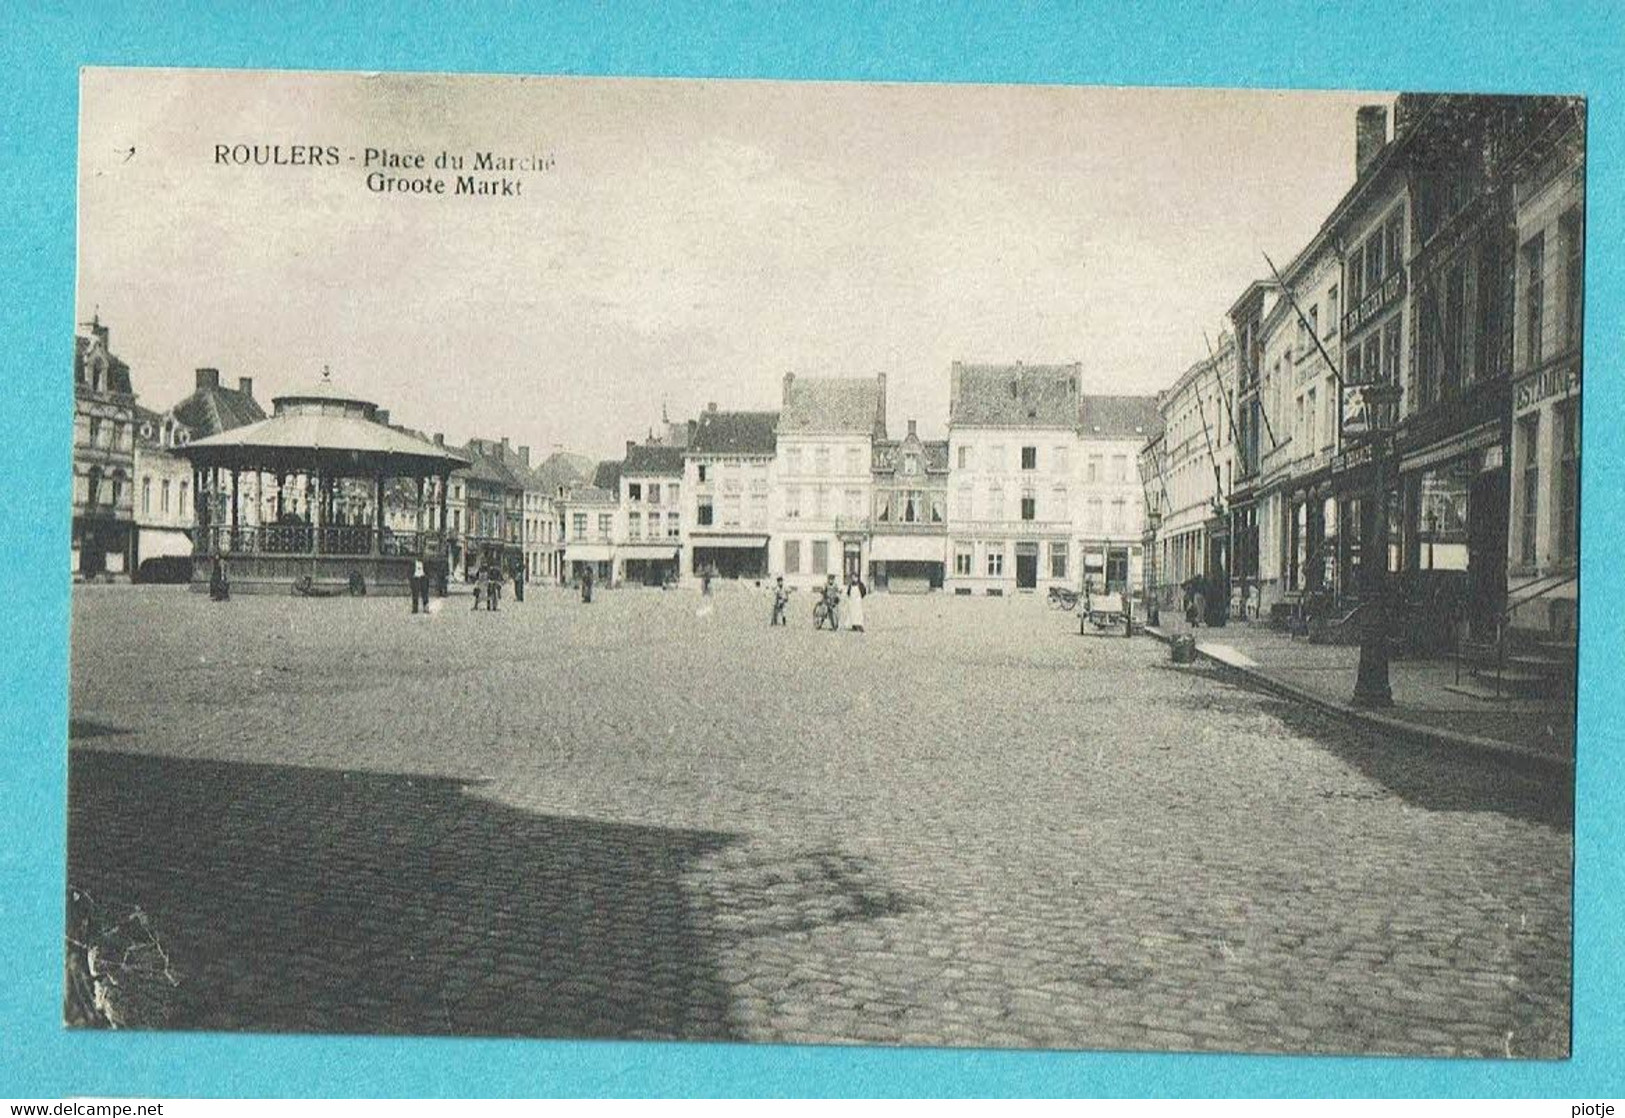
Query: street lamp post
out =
(1371, 686)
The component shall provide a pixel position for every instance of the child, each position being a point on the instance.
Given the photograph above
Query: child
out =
(781, 599)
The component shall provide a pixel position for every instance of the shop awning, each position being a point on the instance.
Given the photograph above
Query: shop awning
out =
(589, 552)
(650, 549)
(917, 549)
(734, 540)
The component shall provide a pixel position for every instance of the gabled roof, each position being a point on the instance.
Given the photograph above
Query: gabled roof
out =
(607, 477)
(643, 460)
(933, 453)
(486, 464)
(833, 405)
(95, 350)
(1014, 395)
(1120, 417)
(212, 411)
(735, 432)
(562, 469)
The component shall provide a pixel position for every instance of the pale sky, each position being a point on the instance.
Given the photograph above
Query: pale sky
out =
(693, 242)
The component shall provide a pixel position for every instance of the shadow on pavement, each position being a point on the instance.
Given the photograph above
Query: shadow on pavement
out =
(293, 899)
(1427, 775)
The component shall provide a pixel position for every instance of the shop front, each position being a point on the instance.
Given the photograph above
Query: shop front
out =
(908, 564)
(736, 556)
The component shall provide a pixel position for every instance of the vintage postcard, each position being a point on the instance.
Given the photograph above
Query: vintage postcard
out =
(989, 566)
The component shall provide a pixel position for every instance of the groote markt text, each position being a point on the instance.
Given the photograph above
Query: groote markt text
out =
(476, 173)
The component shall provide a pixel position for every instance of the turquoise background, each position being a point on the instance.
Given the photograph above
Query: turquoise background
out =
(1495, 45)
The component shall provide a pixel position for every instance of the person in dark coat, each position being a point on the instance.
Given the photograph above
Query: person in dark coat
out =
(493, 586)
(479, 585)
(586, 583)
(519, 583)
(219, 581)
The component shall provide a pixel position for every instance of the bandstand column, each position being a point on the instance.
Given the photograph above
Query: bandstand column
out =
(378, 514)
(317, 517)
(234, 501)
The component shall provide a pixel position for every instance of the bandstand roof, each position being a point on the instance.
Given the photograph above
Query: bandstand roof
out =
(324, 426)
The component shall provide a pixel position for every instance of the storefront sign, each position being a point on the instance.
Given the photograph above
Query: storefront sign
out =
(1537, 387)
(1362, 455)
(1375, 302)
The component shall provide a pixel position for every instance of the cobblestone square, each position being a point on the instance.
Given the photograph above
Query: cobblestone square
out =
(653, 816)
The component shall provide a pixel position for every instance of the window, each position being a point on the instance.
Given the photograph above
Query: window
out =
(1529, 435)
(1394, 242)
(95, 430)
(1311, 414)
(962, 559)
(854, 502)
(634, 491)
(964, 458)
(163, 505)
(1119, 515)
(821, 460)
(671, 493)
(1029, 507)
(182, 507)
(1534, 297)
(146, 495)
(995, 559)
(1058, 462)
(654, 493)
(995, 503)
(792, 460)
(701, 469)
(1331, 311)
(911, 465)
(883, 506)
(1057, 560)
(732, 509)
(1567, 417)
(1058, 505)
(1093, 473)
(939, 503)
(758, 510)
(820, 557)
(1392, 335)
(703, 514)
(995, 459)
(792, 557)
(1093, 519)
(1573, 276)
(792, 503)
(1356, 276)
(820, 502)
(1120, 467)
(634, 525)
(605, 524)
(963, 504)
(1029, 458)
(854, 460)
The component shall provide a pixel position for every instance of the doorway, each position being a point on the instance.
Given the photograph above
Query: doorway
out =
(1026, 566)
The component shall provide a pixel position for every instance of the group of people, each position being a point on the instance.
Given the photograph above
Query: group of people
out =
(488, 580)
(830, 609)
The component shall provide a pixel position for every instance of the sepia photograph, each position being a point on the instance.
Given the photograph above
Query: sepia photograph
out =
(903, 564)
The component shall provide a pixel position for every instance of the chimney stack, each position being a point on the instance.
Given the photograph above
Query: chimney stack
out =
(712, 406)
(911, 430)
(789, 379)
(1370, 134)
(524, 457)
(439, 439)
(630, 443)
(953, 390)
(208, 378)
(383, 416)
(504, 444)
(245, 385)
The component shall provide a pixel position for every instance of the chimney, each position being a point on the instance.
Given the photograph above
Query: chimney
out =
(629, 445)
(789, 379)
(383, 416)
(1407, 109)
(245, 385)
(1370, 134)
(439, 439)
(953, 390)
(524, 457)
(712, 406)
(208, 378)
(911, 429)
(504, 444)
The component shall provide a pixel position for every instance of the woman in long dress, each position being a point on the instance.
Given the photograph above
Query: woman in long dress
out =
(854, 604)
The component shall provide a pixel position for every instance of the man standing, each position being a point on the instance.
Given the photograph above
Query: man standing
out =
(519, 583)
(493, 586)
(479, 585)
(586, 583)
(781, 601)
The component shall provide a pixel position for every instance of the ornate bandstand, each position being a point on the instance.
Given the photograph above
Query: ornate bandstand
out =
(323, 496)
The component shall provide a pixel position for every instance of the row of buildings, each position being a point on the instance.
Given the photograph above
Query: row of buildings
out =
(1451, 274)
(1034, 486)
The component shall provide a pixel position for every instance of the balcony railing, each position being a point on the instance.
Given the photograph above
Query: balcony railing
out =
(306, 539)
